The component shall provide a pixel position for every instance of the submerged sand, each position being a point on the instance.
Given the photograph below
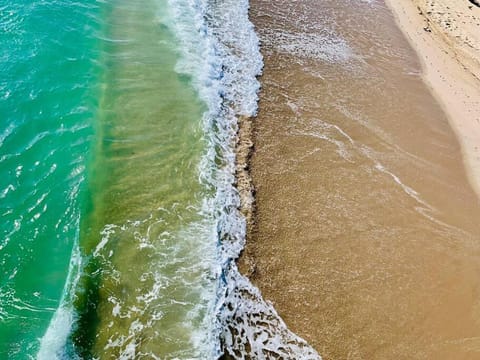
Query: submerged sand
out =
(366, 235)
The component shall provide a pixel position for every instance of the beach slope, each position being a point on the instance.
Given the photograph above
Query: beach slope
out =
(446, 37)
(365, 235)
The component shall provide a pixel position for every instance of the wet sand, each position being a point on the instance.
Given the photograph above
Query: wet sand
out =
(365, 235)
(446, 36)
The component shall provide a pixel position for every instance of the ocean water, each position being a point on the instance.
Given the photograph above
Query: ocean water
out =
(48, 101)
(120, 222)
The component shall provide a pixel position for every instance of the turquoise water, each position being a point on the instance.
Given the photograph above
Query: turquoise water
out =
(119, 214)
(48, 105)
(100, 137)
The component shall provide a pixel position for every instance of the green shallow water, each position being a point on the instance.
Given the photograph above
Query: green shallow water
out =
(101, 142)
(145, 229)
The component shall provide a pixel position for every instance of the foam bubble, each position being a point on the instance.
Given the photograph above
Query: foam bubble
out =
(224, 64)
(219, 51)
(53, 343)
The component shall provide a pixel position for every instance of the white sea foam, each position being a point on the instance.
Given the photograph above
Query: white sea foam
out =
(326, 47)
(53, 343)
(219, 51)
(224, 63)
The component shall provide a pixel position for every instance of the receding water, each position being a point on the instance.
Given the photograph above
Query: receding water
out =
(367, 236)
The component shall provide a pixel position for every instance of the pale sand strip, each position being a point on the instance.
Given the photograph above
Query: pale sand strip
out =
(446, 36)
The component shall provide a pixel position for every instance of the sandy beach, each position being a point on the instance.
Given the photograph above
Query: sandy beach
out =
(446, 37)
(365, 234)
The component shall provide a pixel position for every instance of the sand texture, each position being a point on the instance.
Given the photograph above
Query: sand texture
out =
(446, 36)
(365, 235)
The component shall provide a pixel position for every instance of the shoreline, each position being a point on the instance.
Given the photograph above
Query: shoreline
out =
(450, 56)
(244, 149)
(346, 202)
(439, 67)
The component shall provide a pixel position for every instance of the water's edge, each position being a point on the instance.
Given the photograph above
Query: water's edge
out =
(251, 327)
(224, 61)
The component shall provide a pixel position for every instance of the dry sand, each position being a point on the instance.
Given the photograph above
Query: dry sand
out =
(446, 36)
(366, 235)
